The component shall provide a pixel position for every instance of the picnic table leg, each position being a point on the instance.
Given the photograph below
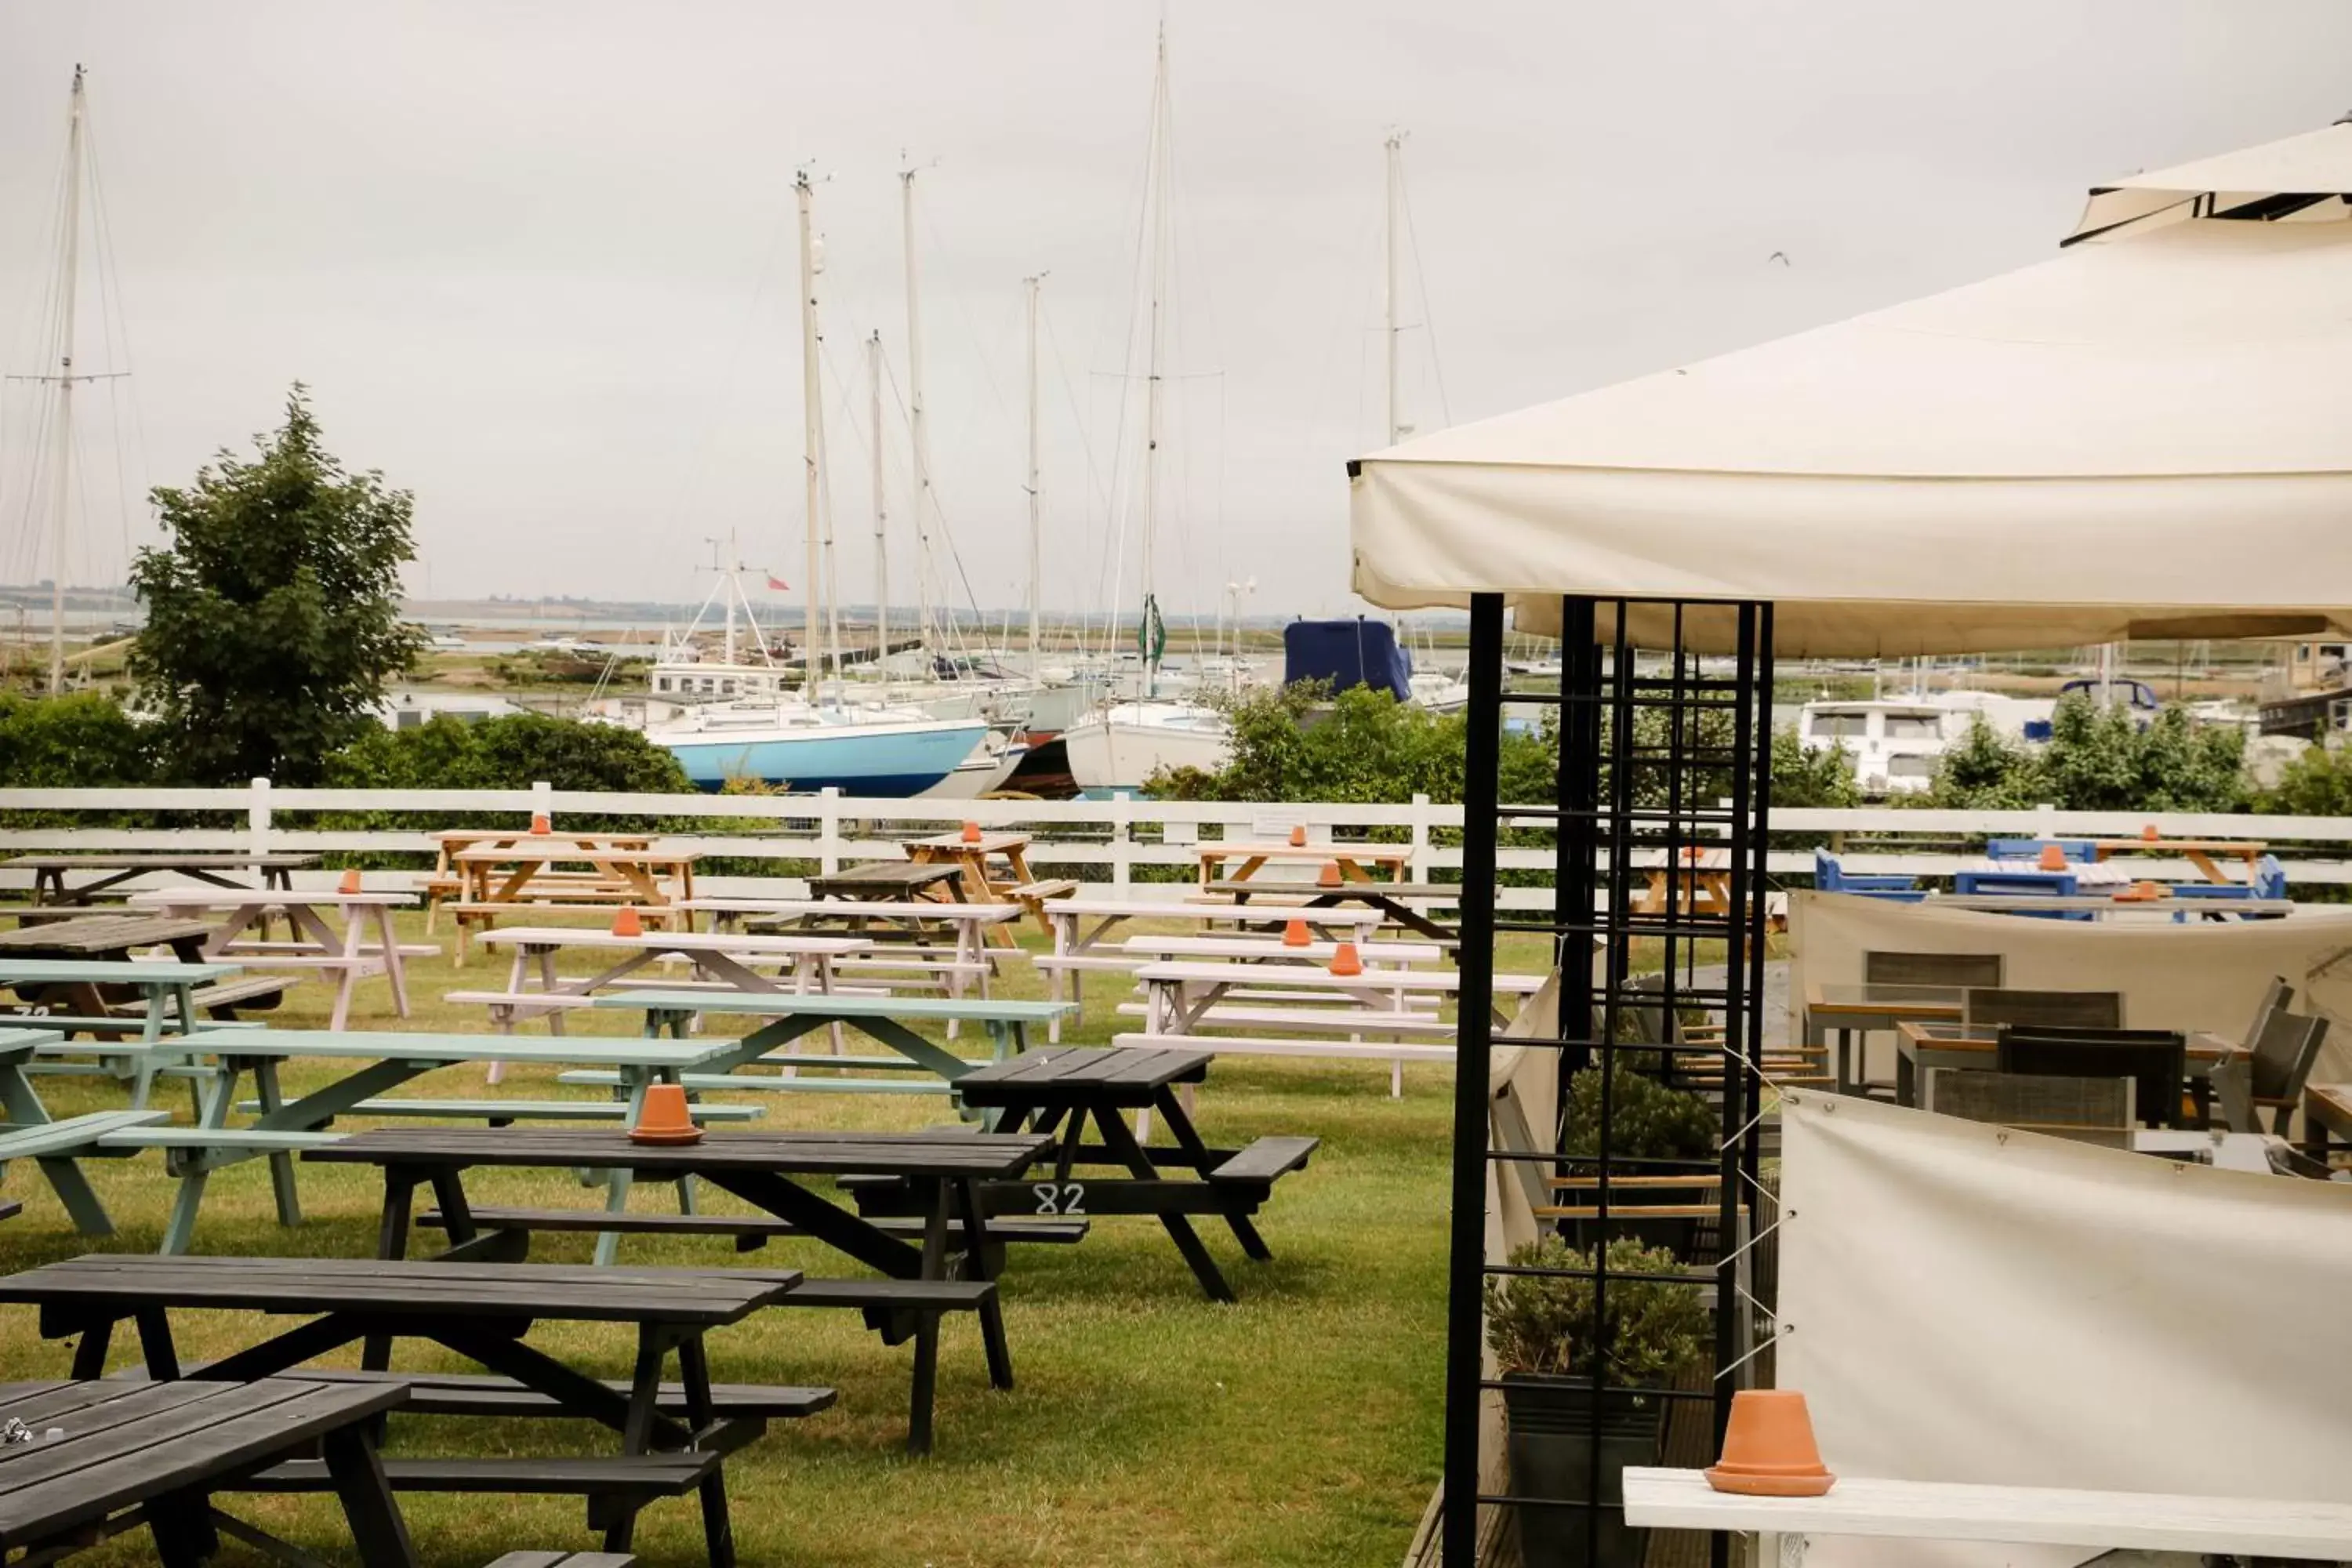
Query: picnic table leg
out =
(983, 1265)
(353, 928)
(694, 1371)
(926, 1327)
(377, 1528)
(180, 1229)
(281, 1162)
(1122, 1146)
(182, 1525)
(394, 970)
(61, 1171)
(1196, 1154)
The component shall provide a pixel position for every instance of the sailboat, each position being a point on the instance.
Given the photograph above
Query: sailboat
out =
(1114, 749)
(817, 738)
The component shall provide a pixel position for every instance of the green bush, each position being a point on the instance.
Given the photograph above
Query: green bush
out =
(1647, 1120)
(1650, 1336)
(73, 743)
(2316, 784)
(2097, 759)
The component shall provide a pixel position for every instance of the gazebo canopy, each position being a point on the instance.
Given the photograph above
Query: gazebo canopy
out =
(2147, 436)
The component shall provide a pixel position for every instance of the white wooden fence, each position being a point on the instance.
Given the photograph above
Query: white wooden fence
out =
(1072, 837)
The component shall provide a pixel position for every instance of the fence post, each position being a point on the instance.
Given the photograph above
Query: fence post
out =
(1421, 839)
(257, 819)
(828, 830)
(543, 801)
(1122, 841)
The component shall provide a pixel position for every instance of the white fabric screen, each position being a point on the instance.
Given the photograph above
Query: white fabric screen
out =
(1968, 1304)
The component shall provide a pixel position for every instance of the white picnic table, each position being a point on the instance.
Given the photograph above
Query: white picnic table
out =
(969, 958)
(1271, 949)
(1180, 995)
(330, 933)
(1083, 927)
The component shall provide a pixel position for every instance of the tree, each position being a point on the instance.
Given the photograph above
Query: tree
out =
(2098, 759)
(273, 614)
(83, 742)
(2316, 784)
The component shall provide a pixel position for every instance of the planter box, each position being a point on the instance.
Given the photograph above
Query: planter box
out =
(1550, 1446)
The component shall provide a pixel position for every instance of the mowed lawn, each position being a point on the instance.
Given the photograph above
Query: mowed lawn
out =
(1149, 1426)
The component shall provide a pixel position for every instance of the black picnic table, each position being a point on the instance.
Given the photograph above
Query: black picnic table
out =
(1056, 1090)
(944, 1176)
(209, 866)
(480, 1310)
(904, 880)
(1397, 900)
(162, 1449)
(106, 937)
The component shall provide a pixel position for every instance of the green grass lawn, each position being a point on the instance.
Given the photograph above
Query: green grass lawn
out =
(1150, 1425)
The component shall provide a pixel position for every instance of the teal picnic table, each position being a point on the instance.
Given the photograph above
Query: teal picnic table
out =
(168, 987)
(883, 1019)
(387, 1059)
(28, 1132)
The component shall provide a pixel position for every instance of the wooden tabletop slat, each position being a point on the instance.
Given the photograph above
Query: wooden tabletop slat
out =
(162, 860)
(1058, 1075)
(101, 933)
(783, 1004)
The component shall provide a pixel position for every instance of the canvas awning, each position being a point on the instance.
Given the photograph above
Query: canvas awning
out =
(2147, 436)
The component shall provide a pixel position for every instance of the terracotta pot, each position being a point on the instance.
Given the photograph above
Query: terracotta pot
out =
(1768, 1448)
(350, 884)
(2151, 834)
(1329, 877)
(972, 833)
(626, 922)
(665, 1118)
(1298, 835)
(539, 824)
(2054, 857)
(1295, 935)
(1346, 961)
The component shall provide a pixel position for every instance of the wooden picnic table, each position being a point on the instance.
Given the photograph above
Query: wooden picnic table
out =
(385, 1060)
(128, 1453)
(2201, 853)
(480, 1311)
(1397, 901)
(1696, 883)
(167, 992)
(1056, 1090)
(28, 1133)
(347, 935)
(446, 881)
(756, 1167)
(1181, 994)
(49, 872)
(503, 879)
(724, 958)
(902, 932)
(977, 859)
(111, 936)
(1357, 862)
(1275, 951)
(1922, 1044)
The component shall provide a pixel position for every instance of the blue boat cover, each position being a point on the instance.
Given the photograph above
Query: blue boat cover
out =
(1347, 653)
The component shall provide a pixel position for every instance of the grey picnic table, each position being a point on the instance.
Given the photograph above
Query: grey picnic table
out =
(883, 1019)
(168, 988)
(387, 1059)
(103, 936)
(128, 1453)
(908, 881)
(28, 1133)
(200, 866)
(478, 1310)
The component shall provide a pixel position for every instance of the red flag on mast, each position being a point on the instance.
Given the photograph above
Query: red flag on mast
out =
(777, 584)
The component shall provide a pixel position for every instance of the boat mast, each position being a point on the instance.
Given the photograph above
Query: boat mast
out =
(1036, 492)
(812, 429)
(1395, 145)
(881, 514)
(62, 476)
(919, 428)
(1155, 196)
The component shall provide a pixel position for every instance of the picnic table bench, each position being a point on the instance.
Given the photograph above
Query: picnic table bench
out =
(28, 1132)
(1056, 1090)
(480, 1311)
(384, 1060)
(49, 872)
(1405, 904)
(128, 1453)
(893, 882)
(347, 936)
(921, 1281)
(76, 997)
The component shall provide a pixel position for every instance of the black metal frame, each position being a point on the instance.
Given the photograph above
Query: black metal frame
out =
(1644, 774)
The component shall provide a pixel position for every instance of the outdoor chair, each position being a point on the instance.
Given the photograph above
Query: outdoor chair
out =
(1831, 876)
(2276, 997)
(1989, 1009)
(2085, 1109)
(2284, 1051)
(2156, 1060)
(1965, 970)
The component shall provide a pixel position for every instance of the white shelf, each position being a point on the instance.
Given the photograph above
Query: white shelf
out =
(1946, 1510)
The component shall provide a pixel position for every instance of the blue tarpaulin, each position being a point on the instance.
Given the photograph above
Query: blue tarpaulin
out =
(1345, 653)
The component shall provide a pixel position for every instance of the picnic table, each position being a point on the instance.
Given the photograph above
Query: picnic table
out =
(168, 992)
(1398, 903)
(1924, 1045)
(530, 874)
(1057, 1090)
(28, 1132)
(383, 1060)
(110, 936)
(1698, 881)
(446, 881)
(126, 1453)
(49, 872)
(1355, 862)
(1079, 946)
(480, 1311)
(977, 858)
(904, 935)
(1180, 995)
(920, 1277)
(892, 882)
(2201, 853)
(331, 934)
(721, 958)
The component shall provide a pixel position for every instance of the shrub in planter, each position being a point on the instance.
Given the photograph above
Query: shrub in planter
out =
(1647, 1121)
(1549, 1343)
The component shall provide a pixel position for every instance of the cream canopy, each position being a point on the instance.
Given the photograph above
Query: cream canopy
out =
(2148, 435)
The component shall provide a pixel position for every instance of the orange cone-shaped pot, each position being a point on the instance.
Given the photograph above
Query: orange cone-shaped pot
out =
(2054, 857)
(539, 824)
(665, 1118)
(972, 833)
(1329, 877)
(350, 884)
(1298, 836)
(1768, 1448)
(1346, 961)
(2151, 834)
(1295, 935)
(626, 922)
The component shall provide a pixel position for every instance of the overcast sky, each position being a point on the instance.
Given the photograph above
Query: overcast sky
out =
(537, 263)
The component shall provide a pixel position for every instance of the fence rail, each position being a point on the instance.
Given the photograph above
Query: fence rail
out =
(1111, 840)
